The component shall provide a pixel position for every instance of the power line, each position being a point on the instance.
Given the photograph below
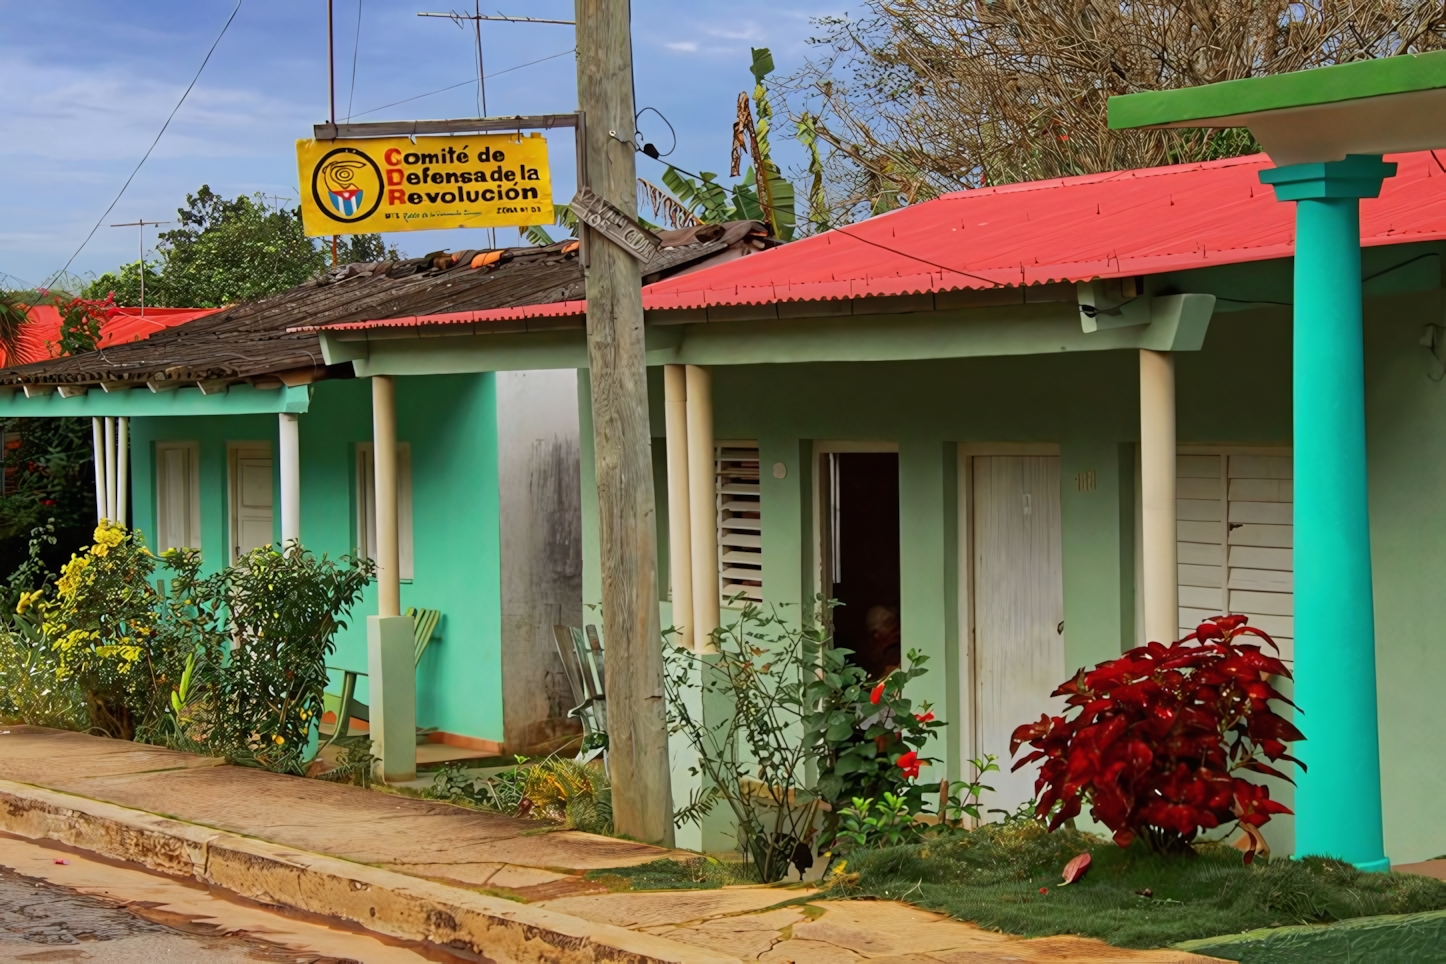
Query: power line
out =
(100, 220)
(443, 90)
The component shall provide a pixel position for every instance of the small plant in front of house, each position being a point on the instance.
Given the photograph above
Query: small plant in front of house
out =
(867, 824)
(1159, 740)
(804, 731)
(962, 796)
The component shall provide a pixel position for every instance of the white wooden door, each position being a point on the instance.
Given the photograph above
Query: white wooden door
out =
(1235, 532)
(251, 501)
(1018, 608)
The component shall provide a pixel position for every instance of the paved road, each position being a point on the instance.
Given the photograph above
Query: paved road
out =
(41, 921)
(58, 905)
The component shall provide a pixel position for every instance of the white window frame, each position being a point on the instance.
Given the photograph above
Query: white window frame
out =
(190, 538)
(366, 508)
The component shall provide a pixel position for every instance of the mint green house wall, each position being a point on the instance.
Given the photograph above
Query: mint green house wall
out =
(1235, 391)
(450, 422)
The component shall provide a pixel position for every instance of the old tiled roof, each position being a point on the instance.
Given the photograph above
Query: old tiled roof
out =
(256, 343)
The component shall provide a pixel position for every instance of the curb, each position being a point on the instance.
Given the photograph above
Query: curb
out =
(383, 901)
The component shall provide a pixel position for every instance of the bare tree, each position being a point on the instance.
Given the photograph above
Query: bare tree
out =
(919, 97)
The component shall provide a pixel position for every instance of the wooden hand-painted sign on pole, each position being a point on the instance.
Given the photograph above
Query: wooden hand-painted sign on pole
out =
(364, 186)
(613, 224)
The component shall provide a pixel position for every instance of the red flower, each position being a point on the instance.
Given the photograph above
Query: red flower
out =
(909, 763)
(1044, 890)
(877, 694)
(925, 717)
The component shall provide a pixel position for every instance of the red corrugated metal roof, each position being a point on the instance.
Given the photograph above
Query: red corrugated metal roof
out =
(556, 309)
(1071, 229)
(1115, 224)
(40, 339)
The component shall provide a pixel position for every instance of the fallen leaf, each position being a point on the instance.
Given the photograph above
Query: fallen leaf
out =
(1252, 843)
(1076, 868)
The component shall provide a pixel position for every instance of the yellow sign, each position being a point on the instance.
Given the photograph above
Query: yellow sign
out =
(398, 184)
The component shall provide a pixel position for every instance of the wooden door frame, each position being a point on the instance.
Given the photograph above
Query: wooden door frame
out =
(233, 453)
(967, 710)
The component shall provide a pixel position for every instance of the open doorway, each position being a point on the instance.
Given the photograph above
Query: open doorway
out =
(860, 503)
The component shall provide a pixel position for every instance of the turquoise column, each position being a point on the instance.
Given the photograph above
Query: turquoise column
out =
(1338, 800)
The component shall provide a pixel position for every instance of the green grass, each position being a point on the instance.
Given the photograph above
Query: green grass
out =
(705, 873)
(993, 877)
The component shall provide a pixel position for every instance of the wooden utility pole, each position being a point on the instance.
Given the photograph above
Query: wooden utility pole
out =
(637, 717)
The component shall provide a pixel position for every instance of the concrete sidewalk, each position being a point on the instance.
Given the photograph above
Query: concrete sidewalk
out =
(508, 889)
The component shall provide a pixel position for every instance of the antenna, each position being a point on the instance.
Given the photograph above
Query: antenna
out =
(477, 16)
(141, 261)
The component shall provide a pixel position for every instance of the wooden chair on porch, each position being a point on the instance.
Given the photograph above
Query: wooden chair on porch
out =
(582, 660)
(346, 706)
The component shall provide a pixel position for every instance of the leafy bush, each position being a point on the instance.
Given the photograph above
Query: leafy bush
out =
(31, 690)
(285, 609)
(803, 729)
(1007, 877)
(1161, 737)
(230, 664)
(116, 640)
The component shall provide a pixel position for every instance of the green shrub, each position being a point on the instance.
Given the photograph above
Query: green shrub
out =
(31, 690)
(231, 664)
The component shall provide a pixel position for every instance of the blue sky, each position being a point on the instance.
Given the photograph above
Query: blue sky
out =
(85, 86)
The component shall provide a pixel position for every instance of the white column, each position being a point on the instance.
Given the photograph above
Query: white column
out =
(122, 469)
(384, 458)
(680, 542)
(289, 432)
(703, 504)
(1160, 575)
(110, 469)
(391, 664)
(97, 436)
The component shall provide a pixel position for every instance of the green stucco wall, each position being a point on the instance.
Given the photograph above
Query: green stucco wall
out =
(1236, 391)
(450, 422)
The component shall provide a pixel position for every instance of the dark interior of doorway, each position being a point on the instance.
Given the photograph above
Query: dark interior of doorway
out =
(864, 556)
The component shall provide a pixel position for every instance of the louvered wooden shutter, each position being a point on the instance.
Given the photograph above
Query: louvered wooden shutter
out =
(740, 522)
(1235, 533)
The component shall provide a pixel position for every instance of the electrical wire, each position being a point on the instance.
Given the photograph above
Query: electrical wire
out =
(841, 231)
(100, 220)
(464, 83)
(356, 46)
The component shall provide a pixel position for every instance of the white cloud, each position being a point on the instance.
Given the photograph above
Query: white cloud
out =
(683, 46)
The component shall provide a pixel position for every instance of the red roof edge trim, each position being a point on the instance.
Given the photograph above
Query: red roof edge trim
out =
(557, 309)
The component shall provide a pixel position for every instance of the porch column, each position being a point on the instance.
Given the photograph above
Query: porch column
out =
(110, 468)
(1338, 799)
(703, 506)
(390, 647)
(97, 437)
(289, 431)
(122, 469)
(680, 542)
(1160, 574)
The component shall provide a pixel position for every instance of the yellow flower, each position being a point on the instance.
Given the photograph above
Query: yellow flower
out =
(99, 549)
(279, 740)
(27, 598)
(109, 534)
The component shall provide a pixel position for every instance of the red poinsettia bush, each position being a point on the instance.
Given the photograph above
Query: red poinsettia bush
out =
(1157, 741)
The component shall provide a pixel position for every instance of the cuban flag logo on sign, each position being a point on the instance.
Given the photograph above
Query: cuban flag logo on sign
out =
(341, 188)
